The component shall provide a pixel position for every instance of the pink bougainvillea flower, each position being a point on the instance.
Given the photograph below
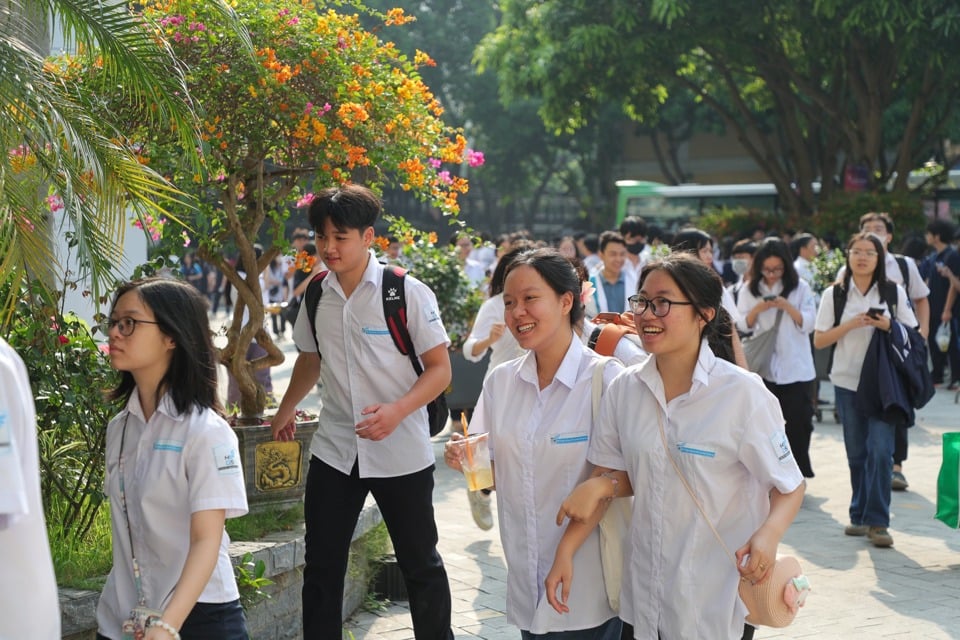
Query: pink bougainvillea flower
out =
(104, 348)
(435, 163)
(444, 177)
(475, 158)
(63, 339)
(305, 201)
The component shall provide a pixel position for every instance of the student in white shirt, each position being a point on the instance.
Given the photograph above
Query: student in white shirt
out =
(538, 412)
(173, 469)
(869, 440)
(613, 283)
(373, 435)
(776, 288)
(725, 432)
(28, 588)
(489, 333)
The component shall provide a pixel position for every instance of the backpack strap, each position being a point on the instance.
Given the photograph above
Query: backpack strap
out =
(888, 293)
(604, 338)
(904, 271)
(839, 302)
(311, 298)
(395, 313)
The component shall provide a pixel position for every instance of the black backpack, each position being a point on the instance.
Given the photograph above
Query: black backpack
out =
(395, 314)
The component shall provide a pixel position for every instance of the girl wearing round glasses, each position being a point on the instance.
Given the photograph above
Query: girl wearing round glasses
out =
(173, 470)
(868, 439)
(777, 299)
(538, 411)
(685, 410)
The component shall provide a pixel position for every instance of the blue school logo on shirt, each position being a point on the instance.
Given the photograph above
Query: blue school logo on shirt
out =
(5, 447)
(781, 446)
(227, 459)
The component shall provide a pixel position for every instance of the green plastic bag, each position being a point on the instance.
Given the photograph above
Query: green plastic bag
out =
(948, 483)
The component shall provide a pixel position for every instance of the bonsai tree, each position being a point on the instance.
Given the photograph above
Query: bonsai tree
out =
(322, 101)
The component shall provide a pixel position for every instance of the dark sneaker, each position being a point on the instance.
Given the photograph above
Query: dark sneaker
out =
(899, 482)
(856, 529)
(880, 537)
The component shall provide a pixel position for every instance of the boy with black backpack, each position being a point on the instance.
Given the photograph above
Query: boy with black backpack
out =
(373, 435)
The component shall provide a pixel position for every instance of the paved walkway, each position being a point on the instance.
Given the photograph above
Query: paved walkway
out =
(911, 590)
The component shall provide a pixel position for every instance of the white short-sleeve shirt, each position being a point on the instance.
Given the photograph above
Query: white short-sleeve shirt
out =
(727, 436)
(506, 348)
(792, 359)
(28, 588)
(173, 466)
(539, 439)
(360, 366)
(852, 347)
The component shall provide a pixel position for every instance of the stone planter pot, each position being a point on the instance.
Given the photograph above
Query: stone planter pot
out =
(467, 381)
(275, 473)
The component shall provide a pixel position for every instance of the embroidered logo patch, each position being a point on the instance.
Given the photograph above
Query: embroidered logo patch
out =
(432, 314)
(227, 459)
(781, 446)
(5, 447)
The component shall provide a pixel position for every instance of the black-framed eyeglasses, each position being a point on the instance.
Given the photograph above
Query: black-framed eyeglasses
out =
(125, 326)
(660, 306)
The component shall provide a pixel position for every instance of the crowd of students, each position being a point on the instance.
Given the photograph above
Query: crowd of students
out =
(569, 429)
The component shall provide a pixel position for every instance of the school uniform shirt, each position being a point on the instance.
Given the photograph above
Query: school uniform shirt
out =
(792, 359)
(852, 347)
(28, 588)
(506, 348)
(677, 577)
(539, 440)
(360, 366)
(174, 465)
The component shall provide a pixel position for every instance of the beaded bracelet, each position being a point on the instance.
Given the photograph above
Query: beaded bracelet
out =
(166, 626)
(612, 478)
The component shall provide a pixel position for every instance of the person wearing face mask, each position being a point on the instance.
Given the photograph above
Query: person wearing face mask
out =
(741, 257)
(634, 232)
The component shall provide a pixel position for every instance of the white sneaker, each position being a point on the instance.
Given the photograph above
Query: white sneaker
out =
(480, 509)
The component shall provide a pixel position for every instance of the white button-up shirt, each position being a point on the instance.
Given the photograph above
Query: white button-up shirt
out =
(173, 466)
(28, 588)
(727, 436)
(539, 439)
(360, 366)
(852, 347)
(792, 359)
(506, 348)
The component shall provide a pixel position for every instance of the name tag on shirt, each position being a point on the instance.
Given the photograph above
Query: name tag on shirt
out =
(5, 448)
(696, 450)
(168, 445)
(569, 438)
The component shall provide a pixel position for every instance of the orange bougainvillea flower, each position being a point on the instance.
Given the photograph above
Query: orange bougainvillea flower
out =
(382, 243)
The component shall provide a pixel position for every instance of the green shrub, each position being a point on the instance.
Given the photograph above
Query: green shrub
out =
(840, 215)
(737, 222)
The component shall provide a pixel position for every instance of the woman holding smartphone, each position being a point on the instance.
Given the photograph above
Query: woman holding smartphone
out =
(868, 439)
(776, 298)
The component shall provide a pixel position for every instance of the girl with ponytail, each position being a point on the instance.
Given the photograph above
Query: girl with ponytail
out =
(722, 429)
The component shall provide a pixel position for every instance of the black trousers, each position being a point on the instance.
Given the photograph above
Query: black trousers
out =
(331, 508)
(796, 403)
(899, 445)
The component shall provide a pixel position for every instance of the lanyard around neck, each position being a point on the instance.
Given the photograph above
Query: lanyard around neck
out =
(141, 598)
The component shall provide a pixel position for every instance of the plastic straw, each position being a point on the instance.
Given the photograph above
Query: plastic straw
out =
(463, 424)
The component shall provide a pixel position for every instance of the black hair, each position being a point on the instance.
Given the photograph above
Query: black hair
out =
(690, 240)
(799, 241)
(181, 313)
(634, 225)
(942, 229)
(915, 247)
(310, 249)
(500, 272)
(558, 272)
(744, 246)
(879, 272)
(773, 248)
(351, 206)
(702, 286)
(592, 242)
(610, 236)
(882, 217)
